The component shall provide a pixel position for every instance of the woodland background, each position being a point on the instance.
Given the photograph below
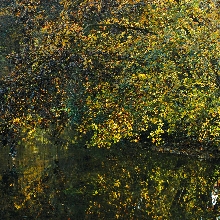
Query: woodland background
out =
(101, 81)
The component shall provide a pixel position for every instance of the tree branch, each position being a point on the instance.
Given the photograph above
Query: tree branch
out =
(119, 27)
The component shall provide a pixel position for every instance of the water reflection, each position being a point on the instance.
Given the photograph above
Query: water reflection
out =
(126, 182)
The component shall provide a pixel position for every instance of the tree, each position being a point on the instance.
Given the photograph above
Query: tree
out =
(123, 70)
(33, 94)
(9, 37)
(149, 69)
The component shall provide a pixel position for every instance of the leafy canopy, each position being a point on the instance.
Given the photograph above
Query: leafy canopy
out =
(120, 69)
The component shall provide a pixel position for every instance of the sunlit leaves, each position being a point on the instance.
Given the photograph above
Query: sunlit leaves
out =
(161, 78)
(123, 67)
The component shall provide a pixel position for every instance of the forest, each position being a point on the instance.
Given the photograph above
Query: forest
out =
(109, 107)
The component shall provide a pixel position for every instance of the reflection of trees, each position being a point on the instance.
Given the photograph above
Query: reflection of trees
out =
(106, 184)
(124, 182)
(166, 191)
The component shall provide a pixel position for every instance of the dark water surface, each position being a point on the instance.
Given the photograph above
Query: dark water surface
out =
(126, 182)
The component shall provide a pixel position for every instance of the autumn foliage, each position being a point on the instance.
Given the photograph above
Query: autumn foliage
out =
(114, 70)
(83, 73)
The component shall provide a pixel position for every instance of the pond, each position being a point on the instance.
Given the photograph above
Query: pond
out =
(124, 182)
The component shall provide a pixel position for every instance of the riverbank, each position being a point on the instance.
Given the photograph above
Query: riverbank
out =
(196, 152)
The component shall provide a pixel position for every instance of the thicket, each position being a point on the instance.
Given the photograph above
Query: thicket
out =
(113, 70)
(83, 73)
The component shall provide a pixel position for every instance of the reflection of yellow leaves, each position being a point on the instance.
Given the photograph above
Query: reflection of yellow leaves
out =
(17, 206)
(95, 192)
(127, 186)
(117, 183)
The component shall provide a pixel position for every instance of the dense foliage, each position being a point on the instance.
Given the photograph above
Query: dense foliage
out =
(9, 36)
(118, 70)
(148, 68)
(82, 73)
